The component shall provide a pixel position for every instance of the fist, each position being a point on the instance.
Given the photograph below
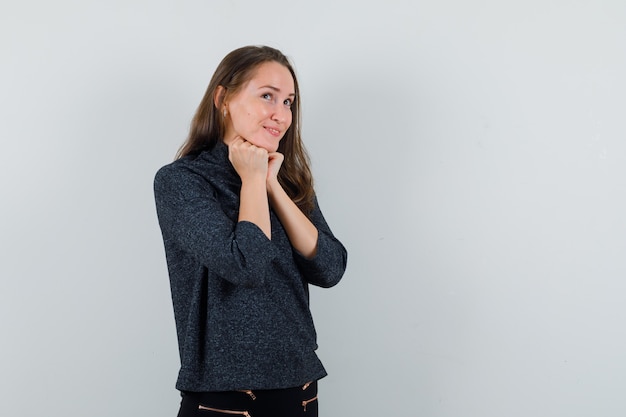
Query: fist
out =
(274, 163)
(248, 160)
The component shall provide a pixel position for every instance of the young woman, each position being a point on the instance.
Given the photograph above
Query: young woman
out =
(244, 237)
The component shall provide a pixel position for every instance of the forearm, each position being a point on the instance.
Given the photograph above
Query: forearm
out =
(253, 205)
(301, 232)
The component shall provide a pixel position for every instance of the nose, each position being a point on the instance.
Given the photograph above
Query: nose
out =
(281, 114)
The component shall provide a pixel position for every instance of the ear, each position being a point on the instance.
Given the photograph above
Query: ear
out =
(218, 96)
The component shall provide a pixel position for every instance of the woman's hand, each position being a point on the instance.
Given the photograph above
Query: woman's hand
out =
(250, 162)
(275, 161)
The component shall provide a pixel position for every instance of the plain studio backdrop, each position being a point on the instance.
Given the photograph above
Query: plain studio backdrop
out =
(470, 155)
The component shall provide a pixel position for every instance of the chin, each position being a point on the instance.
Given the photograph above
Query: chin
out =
(270, 146)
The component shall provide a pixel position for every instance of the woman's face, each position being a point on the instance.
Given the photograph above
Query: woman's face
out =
(260, 112)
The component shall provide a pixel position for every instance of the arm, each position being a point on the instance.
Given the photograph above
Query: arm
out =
(322, 259)
(196, 229)
(251, 163)
(328, 265)
(301, 232)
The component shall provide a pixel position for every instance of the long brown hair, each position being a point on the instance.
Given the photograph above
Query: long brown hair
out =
(207, 127)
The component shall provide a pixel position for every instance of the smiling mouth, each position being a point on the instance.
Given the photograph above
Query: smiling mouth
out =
(273, 132)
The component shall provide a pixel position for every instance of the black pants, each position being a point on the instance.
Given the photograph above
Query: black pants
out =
(290, 402)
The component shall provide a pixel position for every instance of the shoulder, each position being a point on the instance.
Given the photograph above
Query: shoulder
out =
(181, 176)
(172, 172)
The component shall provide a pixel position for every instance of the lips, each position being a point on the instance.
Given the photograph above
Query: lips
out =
(272, 131)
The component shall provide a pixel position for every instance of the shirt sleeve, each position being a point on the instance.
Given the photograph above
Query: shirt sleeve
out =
(194, 225)
(328, 265)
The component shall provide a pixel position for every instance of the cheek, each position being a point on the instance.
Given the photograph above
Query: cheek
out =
(288, 122)
(243, 120)
(248, 119)
(260, 113)
(252, 115)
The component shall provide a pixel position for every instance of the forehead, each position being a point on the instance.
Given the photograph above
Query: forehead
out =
(273, 74)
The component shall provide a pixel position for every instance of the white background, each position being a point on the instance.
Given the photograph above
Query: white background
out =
(470, 155)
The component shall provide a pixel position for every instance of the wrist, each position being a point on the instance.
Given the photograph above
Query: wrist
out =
(273, 185)
(256, 181)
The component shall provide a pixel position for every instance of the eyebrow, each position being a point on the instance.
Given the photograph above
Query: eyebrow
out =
(271, 87)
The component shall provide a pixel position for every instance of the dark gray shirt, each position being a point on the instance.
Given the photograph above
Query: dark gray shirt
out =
(241, 301)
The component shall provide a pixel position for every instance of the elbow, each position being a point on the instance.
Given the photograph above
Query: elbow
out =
(330, 282)
(332, 273)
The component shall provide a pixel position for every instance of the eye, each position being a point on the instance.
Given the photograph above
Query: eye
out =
(288, 102)
(267, 96)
